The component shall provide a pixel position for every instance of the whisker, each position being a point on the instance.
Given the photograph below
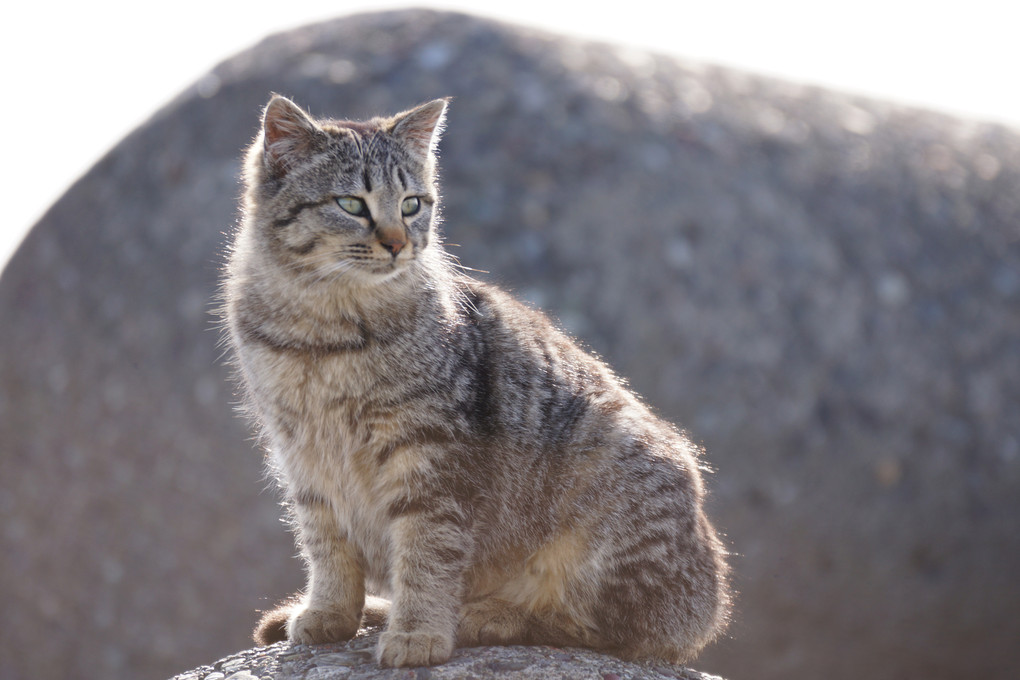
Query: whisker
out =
(317, 260)
(451, 260)
(336, 270)
(458, 265)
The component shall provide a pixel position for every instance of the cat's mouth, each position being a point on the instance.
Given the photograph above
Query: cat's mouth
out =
(386, 270)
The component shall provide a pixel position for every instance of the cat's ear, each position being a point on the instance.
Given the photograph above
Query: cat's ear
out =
(420, 128)
(288, 135)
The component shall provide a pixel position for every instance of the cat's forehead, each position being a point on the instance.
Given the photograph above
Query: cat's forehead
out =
(371, 147)
(344, 128)
(368, 141)
(351, 136)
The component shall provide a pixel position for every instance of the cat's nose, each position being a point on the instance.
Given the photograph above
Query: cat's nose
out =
(393, 244)
(392, 237)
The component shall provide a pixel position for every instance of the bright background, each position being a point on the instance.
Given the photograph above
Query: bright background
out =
(81, 75)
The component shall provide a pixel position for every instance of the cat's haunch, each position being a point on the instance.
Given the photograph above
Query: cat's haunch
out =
(438, 443)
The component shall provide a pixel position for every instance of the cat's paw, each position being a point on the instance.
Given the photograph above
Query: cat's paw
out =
(413, 649)
(315, 626)
(490, 622)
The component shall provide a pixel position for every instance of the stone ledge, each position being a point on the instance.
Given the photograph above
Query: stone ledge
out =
(355, 659)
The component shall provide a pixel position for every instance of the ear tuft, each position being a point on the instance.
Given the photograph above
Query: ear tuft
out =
(288, 134)
(421, 128)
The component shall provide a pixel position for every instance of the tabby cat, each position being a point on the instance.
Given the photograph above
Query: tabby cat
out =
(438, 443)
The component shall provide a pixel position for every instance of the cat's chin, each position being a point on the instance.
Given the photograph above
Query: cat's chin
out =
(381, 275)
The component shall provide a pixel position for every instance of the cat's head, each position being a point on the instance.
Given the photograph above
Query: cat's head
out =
(341, 201)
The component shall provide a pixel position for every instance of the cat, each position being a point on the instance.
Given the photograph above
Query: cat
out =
(438, 443)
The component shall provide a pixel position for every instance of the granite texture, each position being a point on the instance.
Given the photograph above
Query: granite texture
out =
(824, 289)
(355, 660)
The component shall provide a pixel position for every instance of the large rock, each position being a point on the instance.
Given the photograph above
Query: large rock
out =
(825, 290)
(355, 660)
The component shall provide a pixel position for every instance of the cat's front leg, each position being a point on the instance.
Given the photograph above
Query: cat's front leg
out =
(331, 608)
(431, 548)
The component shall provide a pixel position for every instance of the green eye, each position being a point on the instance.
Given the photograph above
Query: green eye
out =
(352, 205)
(410, 206)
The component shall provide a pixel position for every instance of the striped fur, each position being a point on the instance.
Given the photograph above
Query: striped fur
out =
(438, 443)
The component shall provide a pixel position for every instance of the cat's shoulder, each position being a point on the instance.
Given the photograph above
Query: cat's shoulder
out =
(487, 302)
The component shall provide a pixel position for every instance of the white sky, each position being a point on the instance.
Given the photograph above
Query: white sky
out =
(94, 70)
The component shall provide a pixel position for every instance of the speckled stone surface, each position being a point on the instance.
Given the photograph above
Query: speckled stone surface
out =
(823, 289)
(354, 660)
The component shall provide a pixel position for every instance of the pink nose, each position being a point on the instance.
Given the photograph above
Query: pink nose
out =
(393, 245)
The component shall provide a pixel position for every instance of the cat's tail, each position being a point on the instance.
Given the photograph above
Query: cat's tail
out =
(376, 611)
(272, 626)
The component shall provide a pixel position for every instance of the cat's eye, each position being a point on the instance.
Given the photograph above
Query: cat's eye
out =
(410, 206)
(352, 205)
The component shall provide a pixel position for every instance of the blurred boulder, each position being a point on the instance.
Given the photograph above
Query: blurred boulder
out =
(824, 289)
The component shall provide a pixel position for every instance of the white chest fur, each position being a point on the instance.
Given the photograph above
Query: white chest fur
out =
(324, 435)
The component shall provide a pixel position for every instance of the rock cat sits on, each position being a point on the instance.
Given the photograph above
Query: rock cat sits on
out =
(439, 444)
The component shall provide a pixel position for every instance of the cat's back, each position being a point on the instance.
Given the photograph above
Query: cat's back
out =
(543, 390)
